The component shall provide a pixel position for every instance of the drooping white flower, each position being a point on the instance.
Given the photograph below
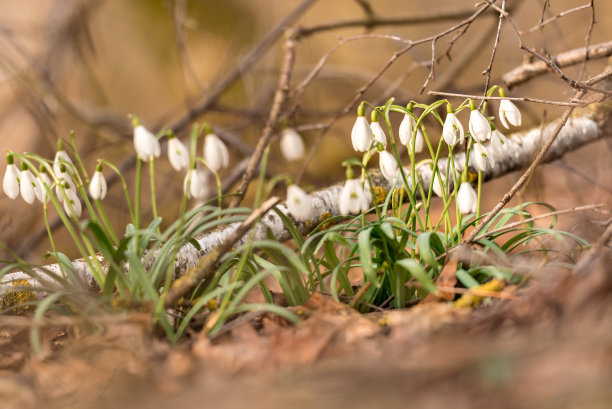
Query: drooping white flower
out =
(437, 185)
(44, 183)
(178, 154)
(353, 199)
(479, 126)
(10, 182)
(452, 126)
(499, 143)
(27, 184)
(481, 156)
(97, 185)
(72, 204)
(64, 183)
(145, 143)
(299, 203)
(291, 145)
(388, 165)
(361, 134)
(379, 133)
(196, 184)
(216, 154)
(508, 112)
(467, 199)
(61, 158)
(406, 131)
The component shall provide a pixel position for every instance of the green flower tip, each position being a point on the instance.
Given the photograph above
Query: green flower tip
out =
(9, 158)
(410, 106)
(207, 128)
(361, 110)
(464, 177)
(42, 168)
(374, 115)
(349, 172)
(170, 134)
(60, 144)
(62, 168)
(472, 106)
(501, 92)
(449, 108)
(24, 166)
(99, 167)
(135, 120)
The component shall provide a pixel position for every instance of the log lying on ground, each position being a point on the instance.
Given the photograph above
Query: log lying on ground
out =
(584, 127)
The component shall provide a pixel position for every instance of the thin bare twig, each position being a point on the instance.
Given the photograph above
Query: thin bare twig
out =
(542, 22)
(520, 223)
(487, 72)
(524, 99)
(280, 97)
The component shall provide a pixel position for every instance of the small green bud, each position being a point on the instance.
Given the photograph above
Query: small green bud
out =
(361, 110)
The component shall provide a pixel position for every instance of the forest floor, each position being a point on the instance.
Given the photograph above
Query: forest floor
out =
(550, 346)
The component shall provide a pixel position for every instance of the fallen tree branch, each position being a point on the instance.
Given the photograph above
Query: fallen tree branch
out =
(585, 126)
(526, 72)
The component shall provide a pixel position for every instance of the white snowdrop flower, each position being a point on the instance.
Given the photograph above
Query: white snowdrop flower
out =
(10, 183)
(145, 143)
(299, 203)
(216, 154)
(452, 130)
(406, 131)
(479, 126)
(481, 156)
(27, 184)
(467, 199)
(61, 158)
(379, 133)
(509, 113)
(65, 183)
(388, 165)
(44, 182)
(499, 143)
(196, 184)
(97, 185)
(291, 145)
(437, 184)
(72, 204)
(353, 199)
(178, 154)
(361, 134)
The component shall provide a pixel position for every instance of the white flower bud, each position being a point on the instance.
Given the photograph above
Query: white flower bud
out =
(508, 112)
(361, 135)
(298, 203)
(452, 125)
(146, 144)
(216, 154)
(406, 131)
(196, 184)
(479, 126)
(467, 199)
(379, 133)
(178, 154)
(291, 145)
(388, 165)
(97, 185)
(10, 183)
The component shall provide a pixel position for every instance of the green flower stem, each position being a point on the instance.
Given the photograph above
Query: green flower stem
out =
(106, 222)
(137, 190)
(411, 197)
(153, 196)
(479, 195)
(123, 185)
(456, 183)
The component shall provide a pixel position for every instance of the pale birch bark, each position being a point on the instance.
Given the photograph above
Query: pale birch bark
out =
(586, 126)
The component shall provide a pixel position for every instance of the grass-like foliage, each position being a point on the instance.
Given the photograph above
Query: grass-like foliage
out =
(384, 250)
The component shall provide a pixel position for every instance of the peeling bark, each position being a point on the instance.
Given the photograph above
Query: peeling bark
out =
(584, 127)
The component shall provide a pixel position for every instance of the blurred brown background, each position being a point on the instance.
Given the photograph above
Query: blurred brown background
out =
(84, 65)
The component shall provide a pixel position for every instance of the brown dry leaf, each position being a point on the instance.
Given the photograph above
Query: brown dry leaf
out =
(329, 329)
(446, 279)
